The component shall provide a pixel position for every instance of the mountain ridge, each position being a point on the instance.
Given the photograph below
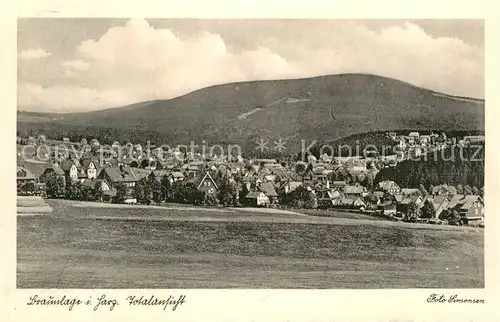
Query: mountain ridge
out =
(322, 107)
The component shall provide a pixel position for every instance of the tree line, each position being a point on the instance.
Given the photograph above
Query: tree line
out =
(458, 166)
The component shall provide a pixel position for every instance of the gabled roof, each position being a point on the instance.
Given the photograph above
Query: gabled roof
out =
(254, 194)
(93, 182)
(349, 201)
(66, 164)
(199, 178)
(333, 194)
(319, 170)
(28, 175)
(114, 174)
(87, 161)
(177, 174)
(56, 167)
(410, 199)
(387, 184)
(82, 174)
(353, 189)
(398, 197)
(410, 191)
(139, 173)
(455, 200)
(469, 201)
(268, 189)
(161, 173)
(444, 189)
(438, 200)
(129, 174)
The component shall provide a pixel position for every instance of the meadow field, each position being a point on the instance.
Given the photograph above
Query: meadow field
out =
(91, 245)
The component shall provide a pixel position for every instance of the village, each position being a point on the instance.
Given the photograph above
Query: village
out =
(127, 174)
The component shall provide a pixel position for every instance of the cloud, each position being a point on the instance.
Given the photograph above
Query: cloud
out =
(69, 98)
(75, 65)
(37, 53)
(137, 62)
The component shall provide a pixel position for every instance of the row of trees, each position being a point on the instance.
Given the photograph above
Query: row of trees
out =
(146, 191)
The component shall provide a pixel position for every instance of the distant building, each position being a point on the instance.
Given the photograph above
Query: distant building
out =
(204, 183)
(474, 139)
(389, 187)
(257, 198)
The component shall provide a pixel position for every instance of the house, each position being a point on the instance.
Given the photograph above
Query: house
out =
(470, 208)
(340, 185)
(425, 140)
(387, 209)
(376, 197)
(71, 169)
(414, 135)
(410, 192)
(354, 191)
(327, 198)
(107, 193)
(26, 180)
(318, 174)
(204, 183)
(268, 189)
(257, 198)
(158, 175)
(100, 184)
(351, 202)
(264, 161)
(444, 190)
(129, 176)
(53, 168)
(402, 207)
(82, 175)
(139, 173)
(24, 175)
(113, 175)
(290, 186)
(90, 166)
(474, 139)
(176, 176)
(440, 204)
(397, 198)
(402, 144)
(454, 201)
(389, 187)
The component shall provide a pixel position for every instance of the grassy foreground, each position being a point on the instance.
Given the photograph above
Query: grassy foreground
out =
(84, 247)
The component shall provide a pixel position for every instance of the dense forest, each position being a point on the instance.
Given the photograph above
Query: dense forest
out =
(453, 166)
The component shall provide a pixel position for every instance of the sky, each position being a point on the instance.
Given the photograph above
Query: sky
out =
(84, 64)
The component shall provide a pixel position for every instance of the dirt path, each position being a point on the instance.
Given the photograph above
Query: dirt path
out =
(32, 205)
